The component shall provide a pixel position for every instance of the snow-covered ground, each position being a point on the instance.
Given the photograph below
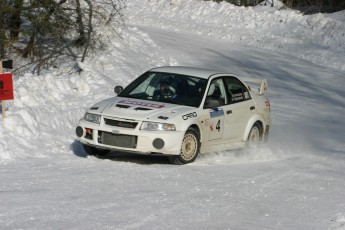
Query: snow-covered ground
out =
(297, 181)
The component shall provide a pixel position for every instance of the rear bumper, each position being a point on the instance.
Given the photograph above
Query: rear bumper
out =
(266, 133)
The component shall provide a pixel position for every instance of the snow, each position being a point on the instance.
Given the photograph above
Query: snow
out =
(296, 181)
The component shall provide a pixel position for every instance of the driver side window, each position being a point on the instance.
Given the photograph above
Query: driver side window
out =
(216, 95)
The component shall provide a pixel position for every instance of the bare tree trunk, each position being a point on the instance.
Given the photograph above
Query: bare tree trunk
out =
(90, 28)
(3, 38)
(29, 49)
(82, 37)
(15, 19)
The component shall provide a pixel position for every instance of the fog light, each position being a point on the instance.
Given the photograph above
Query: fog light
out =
(88, 133)
(79, 131)
(158, 143)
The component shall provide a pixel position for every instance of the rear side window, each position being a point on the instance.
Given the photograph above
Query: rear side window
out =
(237, 90)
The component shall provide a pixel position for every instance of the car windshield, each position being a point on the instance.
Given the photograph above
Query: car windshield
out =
(167, 87)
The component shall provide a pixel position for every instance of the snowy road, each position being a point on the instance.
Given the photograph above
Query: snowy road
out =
(307, 99)
(149, 194)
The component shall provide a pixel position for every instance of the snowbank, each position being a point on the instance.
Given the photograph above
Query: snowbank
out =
(47, 107)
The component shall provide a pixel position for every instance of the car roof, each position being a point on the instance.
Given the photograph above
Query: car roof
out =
(185, 70)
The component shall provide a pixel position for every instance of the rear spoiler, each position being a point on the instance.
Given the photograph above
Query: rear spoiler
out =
(263, 85)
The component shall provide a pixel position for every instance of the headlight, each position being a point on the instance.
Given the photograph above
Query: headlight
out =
(92, 118)
(155, 126)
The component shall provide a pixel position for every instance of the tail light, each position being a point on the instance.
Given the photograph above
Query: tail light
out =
(268, 104)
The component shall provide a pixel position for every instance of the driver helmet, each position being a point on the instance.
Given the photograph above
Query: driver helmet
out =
(165, 87)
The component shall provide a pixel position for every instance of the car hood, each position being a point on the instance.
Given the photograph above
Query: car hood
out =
(136, 109)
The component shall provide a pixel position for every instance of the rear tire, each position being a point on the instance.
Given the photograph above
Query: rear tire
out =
(189, 149)
(255, 136)
(95, 151)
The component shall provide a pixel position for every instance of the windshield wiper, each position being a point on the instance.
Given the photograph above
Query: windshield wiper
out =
(169, 100)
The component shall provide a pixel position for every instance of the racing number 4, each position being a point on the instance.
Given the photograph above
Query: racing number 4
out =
(218, 125)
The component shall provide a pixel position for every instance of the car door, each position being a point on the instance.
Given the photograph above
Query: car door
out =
(239, 109)
(216, 98)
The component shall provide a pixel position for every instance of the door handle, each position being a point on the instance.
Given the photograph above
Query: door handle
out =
(252, 107)
(229, 112)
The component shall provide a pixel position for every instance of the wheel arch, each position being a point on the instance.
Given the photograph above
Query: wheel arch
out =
(196, 128)
(256, 119)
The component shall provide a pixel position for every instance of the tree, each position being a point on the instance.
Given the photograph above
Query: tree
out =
(55, 30)
(316, 5)
(15, 19)
(79, 21)
(3, 38)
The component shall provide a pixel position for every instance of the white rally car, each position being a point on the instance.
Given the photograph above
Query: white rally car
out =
(178, 112)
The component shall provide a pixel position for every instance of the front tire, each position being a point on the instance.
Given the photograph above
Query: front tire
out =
(189, 149)
(95, 151)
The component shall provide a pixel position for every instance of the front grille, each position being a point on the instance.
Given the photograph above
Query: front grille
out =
(123, 124)
(119, 140)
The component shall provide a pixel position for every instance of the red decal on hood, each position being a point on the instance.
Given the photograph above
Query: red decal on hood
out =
(146, 104)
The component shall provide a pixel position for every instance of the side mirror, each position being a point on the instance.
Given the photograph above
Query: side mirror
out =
(118, 89)
(212, 103)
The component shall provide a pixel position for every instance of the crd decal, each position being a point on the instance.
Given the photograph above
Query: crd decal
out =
(189, 115)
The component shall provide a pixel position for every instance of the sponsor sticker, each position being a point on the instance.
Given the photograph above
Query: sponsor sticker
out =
(141, 103)
(189, 115)
(216, 112)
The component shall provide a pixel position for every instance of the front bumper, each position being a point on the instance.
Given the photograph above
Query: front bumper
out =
(130, 140)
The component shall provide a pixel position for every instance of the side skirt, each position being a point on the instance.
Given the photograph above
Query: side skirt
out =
(222, 147)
